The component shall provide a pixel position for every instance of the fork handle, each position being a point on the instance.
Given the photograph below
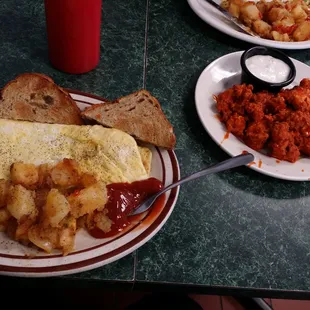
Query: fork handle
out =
(233, 162)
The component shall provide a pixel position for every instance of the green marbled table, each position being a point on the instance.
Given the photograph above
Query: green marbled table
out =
(237, 232)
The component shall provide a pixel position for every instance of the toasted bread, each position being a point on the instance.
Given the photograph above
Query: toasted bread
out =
(139, 114)
(35, 97)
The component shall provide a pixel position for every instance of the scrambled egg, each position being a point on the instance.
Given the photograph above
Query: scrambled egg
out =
(109, 154)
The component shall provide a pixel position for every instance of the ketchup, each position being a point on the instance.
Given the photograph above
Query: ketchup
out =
(124, 198)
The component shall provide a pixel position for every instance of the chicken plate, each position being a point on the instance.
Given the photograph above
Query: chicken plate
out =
(279, 123)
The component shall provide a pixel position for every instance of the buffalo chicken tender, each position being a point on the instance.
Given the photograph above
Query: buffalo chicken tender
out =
(278, 123)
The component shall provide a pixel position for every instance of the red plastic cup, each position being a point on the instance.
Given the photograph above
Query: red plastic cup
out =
(73, 32)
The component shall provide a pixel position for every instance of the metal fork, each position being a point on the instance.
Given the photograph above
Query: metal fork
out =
(233, 162)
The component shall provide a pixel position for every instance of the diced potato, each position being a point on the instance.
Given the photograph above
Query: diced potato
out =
(45, 238)
(277, 14)
(234, 10)
(88, 199)
(24, 174)
(298, 13)
(66, 173)
(11, 227)
(4, 215)
(262, 7)
(23, 226)
(69, 222)
(56, 208)
(249, 13)
(81, 221)
(4, 190)
(67, 234)
(302, 32)
(66, 241)
(102, 221)
(280, 37)
(262, 28)
(40, 197)
(45, 180)
(21, 202)
(4, 218)
(88, 179)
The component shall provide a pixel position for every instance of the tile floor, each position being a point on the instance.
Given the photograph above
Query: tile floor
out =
(212, 302)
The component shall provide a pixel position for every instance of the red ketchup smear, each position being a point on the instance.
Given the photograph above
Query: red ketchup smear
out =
(225, 137)
(123, 198)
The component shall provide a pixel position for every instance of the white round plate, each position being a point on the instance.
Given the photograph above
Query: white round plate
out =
(90, 253)
(216, 19)
(221, 74)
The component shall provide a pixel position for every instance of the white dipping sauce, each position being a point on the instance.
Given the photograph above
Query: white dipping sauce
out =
(268, 68)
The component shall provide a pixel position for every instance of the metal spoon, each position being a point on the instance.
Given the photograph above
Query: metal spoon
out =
(233, 162)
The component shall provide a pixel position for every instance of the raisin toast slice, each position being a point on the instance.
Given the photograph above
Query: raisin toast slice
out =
(35, 97)
(138, 114)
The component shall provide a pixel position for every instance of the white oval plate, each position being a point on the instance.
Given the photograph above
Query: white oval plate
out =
(221, 74)
(216, 19)
(89, 252)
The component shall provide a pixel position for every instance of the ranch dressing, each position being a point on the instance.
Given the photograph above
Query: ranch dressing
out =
(268, 68)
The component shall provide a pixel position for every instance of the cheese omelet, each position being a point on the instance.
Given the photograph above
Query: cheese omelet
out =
(109, 154)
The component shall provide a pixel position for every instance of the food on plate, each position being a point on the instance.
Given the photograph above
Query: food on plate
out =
(275, 20)
(279, 123)
(139, 114)
(48, 212)
(35, 97)
(32, 159)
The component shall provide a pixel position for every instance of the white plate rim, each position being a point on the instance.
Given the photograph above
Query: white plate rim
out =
(204, 10)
